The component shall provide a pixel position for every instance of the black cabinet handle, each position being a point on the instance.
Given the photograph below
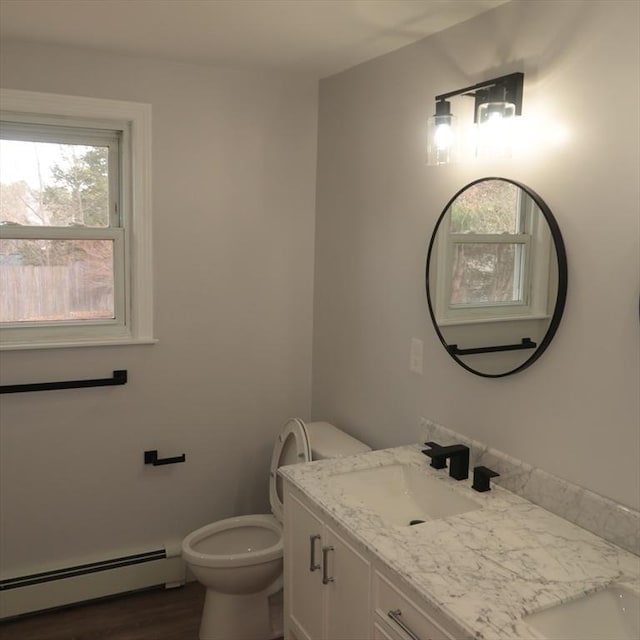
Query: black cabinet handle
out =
(151, 457)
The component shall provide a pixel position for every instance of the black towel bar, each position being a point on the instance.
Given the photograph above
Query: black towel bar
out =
(119, 377)
(526, 343)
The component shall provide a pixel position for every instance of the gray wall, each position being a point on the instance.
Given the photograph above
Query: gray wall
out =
(233, 185)
(234, 159)
(575, 412)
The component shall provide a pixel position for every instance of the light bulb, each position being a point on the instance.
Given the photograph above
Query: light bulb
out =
(441, 135)
(495, 137)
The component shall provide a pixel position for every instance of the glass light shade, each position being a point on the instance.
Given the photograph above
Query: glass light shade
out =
(442, 139)
(495, 130)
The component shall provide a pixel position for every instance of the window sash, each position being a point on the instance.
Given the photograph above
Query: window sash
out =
(117, 236)
(521, 275)
(58, 134)
(449, 314)
(14, 128)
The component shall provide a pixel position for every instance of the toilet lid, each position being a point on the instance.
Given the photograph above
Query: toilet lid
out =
(292, 446)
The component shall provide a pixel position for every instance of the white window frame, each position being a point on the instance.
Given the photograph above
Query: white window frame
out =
(132, 236)
(535, 241)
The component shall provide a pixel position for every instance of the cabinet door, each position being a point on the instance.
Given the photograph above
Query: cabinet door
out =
(305, 588)
(348, 591)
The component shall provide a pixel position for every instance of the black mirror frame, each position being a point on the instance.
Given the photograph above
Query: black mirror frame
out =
(561, 256)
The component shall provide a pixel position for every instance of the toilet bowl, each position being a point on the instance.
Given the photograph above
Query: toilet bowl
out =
(239, 560)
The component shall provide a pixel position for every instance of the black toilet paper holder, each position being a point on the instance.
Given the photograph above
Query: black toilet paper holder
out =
(151, 457)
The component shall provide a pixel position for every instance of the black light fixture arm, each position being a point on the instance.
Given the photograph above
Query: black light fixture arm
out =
(512, 84)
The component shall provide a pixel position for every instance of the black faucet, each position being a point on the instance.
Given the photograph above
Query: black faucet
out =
(458, 453)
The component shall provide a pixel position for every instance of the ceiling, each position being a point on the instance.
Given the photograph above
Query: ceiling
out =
(314, 37)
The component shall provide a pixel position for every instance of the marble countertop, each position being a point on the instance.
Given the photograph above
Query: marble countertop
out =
(484, 569)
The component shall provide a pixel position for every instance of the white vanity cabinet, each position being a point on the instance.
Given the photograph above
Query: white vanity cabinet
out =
(333, 590)
(398, 617)
(327, 581)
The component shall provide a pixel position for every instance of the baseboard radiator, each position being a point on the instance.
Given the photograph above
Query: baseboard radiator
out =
(88, 581)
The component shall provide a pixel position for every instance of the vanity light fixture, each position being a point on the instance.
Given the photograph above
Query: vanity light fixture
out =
(497, 102)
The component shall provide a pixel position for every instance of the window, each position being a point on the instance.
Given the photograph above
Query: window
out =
(493, 258)
(75, 265)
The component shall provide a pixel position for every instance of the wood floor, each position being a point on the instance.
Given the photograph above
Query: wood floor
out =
(158, 614)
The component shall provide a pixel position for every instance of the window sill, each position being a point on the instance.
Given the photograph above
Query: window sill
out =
(118, 342)
(486, 320)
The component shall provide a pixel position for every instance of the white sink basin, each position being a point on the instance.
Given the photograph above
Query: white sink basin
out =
(611, 614)
(401, 493)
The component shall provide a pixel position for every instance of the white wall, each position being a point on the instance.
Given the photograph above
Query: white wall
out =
(576, 411)
(234, 158)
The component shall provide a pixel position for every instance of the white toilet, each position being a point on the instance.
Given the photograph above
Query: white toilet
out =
(239, 560)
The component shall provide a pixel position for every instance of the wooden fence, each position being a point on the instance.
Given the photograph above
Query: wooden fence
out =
(38, 293)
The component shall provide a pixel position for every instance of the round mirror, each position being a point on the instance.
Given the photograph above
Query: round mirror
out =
(496, 277)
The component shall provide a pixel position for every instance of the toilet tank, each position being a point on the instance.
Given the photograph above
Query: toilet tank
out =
(327, 441)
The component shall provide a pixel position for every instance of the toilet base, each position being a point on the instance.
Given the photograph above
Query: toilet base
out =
(243, 616)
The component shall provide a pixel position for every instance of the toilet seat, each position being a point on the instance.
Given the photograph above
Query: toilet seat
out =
(214, 545)
(292, 446)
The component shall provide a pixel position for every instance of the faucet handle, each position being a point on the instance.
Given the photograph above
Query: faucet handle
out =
(438, 460)
(482, 478)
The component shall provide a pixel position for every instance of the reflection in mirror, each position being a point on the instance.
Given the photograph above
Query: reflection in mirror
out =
(496, 277)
